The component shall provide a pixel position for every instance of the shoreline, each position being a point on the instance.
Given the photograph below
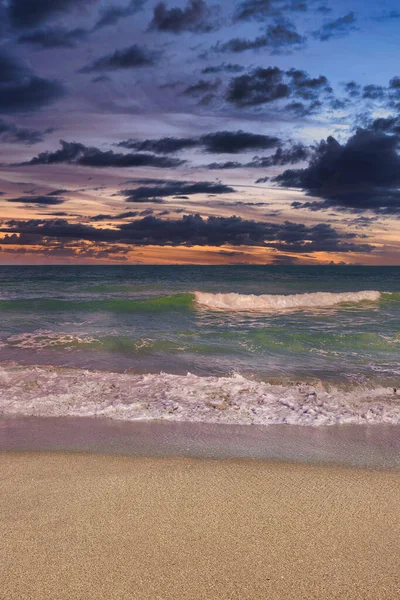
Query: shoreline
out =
(237, 399)
(363, 446)
(103, 527)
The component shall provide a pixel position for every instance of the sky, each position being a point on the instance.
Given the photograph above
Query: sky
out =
(193, 131)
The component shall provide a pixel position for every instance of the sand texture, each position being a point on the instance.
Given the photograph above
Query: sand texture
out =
(90, 527)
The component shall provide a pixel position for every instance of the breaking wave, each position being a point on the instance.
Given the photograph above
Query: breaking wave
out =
(53, 392)
(277, 303)
(191, 300)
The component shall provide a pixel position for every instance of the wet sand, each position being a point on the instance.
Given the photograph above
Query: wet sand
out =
(373, 446)
(93, 527)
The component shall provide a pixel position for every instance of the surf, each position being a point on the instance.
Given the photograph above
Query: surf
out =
(234, 399)
(278, 303)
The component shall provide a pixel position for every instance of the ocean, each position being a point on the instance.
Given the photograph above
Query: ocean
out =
(304, 345)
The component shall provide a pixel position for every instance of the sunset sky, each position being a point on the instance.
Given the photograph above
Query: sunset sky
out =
(191, 131)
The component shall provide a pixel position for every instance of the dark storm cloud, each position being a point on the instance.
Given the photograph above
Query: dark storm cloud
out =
(259, 10)
(110, 15)
(48, 200)
(336, 28)
(97, 158)
(124, 215)
(70, 152)
(229, 164)
(374, 92)
(194, 230)
(307, 87)
(11, 133)
(260, 86)
(223, 68)
(353, 89)
(76, 153)
(21, 90)
(174, 188)
(362, 174)
(58, 192)
(278, 36)
(296, 154)
(387, 124)
(128, 58)
(220, 142)
(196, 16)
(167, 145)
(289, 156)
(54, 37)
(151, 181)
(202, 87)
(266, 85)
(299, 109)
(31, 13)
(296, 237)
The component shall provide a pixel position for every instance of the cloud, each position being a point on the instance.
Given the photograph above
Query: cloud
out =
(297, 153)
(11, 133)
(374, 92)
(153, 193)
(353, 89)
(337, 28)
(230, 164)
(110, 15)
(362, 174)
(220, 142)
(42, 200)
(299, 109)
(260, 86)
(76, 153)
(223, 68)
(58, 192)
(278, 36)
(195, 17)
(391, 15)
(296, 237)
(307, 87)
(201, 87)
(233, 142)
(21, 90)
(195, 230)
(31, 13)
(166, 145)
(259, 10)
(120, 216)
(387, 124)
(54, 37)
(266, 85)
(128, 58)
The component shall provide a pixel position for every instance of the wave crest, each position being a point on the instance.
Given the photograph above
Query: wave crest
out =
(276, 303)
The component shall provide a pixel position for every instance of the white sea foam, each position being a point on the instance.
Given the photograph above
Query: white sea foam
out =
(45, 339)
(70, 392)
(277, 303)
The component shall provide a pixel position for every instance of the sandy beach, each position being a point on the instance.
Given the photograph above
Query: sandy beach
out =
(86, 526)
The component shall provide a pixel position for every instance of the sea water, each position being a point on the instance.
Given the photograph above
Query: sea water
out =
(311, 345)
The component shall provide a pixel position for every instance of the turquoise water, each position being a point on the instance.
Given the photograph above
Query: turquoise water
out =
(148, 319)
